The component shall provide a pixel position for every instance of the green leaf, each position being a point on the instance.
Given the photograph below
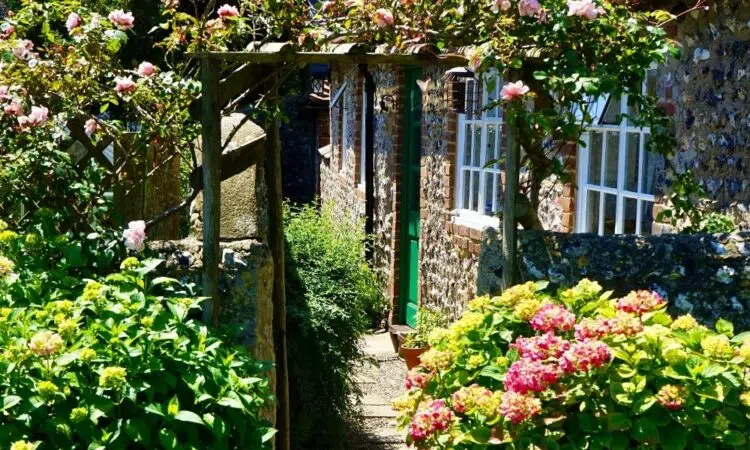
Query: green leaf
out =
(725, 327)
(480, 435)
(713, 370)
(168, 439)
(493, 372)
(189, 416)
(733, 438)
(154, 408)
(617, 422)
(10, 401)
(673, 438)
(269, 433)
(644, 430)
(642, 403)
(741, 337)
(540, 75)
(231, 403)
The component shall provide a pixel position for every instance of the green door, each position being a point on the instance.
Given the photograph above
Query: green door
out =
(409, 277)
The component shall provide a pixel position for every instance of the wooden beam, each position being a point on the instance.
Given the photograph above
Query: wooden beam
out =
(510, 229)
(261, 57)
(233, 162)
(211, 133)
(276, 243)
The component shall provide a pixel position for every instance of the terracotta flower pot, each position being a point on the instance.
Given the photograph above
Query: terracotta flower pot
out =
(411, 355)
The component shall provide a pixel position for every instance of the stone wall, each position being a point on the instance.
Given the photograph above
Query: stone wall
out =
(706, 275)
(299, 149)
(709, 88)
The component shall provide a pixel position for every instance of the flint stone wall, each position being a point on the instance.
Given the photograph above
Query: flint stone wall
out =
(705, 275)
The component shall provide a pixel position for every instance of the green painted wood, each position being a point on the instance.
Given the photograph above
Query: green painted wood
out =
(410, 205)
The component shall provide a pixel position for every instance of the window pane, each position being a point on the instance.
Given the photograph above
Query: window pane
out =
(488, 193)
(498, 194)
(474, 191)
(595, 158)
(491, 154)
(477, 147)
(632, 158)
(629, 215)
(610, 213)
(592, 212)
(466, 192)
(491, 88)
(652, 78)
(612, 110)
(647, 217)
(467, 146)
(653, 165)
(613, 158)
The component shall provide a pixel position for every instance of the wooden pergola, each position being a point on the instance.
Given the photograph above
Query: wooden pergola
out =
(218, 92)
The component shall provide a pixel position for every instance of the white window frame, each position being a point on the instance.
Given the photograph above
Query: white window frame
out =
(620, 192)
(363, 145)
(463, 214)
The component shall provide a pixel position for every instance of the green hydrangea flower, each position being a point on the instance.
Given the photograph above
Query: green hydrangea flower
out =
(113, 377)
(79, 415)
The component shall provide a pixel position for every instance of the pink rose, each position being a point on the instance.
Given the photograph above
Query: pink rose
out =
(171, 4)
(13, 109)
(7, 31)
(383, 18)
(146, 69)
(213, 25)
(90, 127)
(528, 8)
(4, 92)
(121, 19)
(38, 116)
(22, 49)
(514, 91)
(228, 11)
(135, 235)
(125, 85)
(584, 8)
(73, 22)
(500, 5)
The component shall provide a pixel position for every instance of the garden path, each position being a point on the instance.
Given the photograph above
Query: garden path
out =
(381, 380)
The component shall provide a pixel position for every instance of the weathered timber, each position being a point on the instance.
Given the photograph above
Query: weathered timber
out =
(232, 162)
(510, 229)
(261, 57)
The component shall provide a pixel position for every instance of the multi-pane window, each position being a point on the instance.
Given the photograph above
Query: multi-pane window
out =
(616, 174)
(339, 108)
(478, 183)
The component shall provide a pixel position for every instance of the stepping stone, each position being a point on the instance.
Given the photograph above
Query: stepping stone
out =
(378, 411)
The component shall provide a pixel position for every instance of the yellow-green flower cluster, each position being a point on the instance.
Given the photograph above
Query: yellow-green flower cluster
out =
(744, 351)
(684, 323)
(436, 360)
(15, 353)
(33, 240)
(526, 309)
(68, 328)
(476, 361)
(61, 306)
(93, 292)
(406, 403)
(745, 399)
(113, 377)
(22, 445)
(516, 294)
(79, 415)
(6, 267)
(87, 355)
(47, 389)
(4, 314)
(585, 289)
(480, 303)
(717, 346)
(3, 225)
(469, 322)
(7, 236)
(476, 399)
(130, 263)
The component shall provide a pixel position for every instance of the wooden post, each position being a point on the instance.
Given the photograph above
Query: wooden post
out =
(510, 230)
(211, 130)
(276, 243)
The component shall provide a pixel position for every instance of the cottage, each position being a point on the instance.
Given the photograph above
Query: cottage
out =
(424, 168)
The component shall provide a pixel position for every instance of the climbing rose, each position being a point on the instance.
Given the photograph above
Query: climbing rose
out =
(135, 235)
(13, 109)
(90, 127)
(640, 302)
(228, 11)
(672, 397)
(498, 5)
(45, 343)
(437, 417)
(125, 85)
(73, 22)
(553, 318)
(22, 49)
(540, 348)
(584, 8)
(518, 407)
(526, 376)
(121, 19)
(38, 116)
(528, 8)
(514, 91)
(146, 69)
(584, 356)
(383, 18)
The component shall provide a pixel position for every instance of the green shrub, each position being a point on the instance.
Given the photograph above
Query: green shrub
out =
(329, 289)
(116, 362)
(575, 370)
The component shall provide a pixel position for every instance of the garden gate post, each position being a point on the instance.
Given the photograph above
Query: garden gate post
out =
(211, 130)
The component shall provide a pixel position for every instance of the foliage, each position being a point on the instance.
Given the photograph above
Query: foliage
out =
(689, 212)
(428, 319)
(116, 362)
(579, 370)
(330, 290)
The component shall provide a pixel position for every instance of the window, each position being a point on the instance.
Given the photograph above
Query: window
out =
(479, 186)
(339, 107)
(616, 175)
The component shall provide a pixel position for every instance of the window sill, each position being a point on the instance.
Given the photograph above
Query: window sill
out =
(475, 220)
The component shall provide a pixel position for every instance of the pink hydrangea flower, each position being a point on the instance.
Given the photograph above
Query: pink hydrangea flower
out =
(90, 127)
(146, 69)
(672, 397)
(121, 19)
(135, 236)
(383, 18)
(584, 356)
(500, 5)
(584, 8)
(590, 328)
(38, 116)
(125, 85)
(73, 22)
(514, 91)
(435, 418)
(640, 302)
(228, 11)
(13, 109)
(540, 348)
(23, 48)
(551, 317)
(528, 8)
(518, 407)
(416, 379)
(526, 376)
(625, 324)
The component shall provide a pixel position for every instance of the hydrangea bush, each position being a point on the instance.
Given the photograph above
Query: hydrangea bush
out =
(578, 369)
(116, 361)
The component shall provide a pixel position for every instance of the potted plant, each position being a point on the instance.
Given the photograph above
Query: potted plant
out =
(416, 343)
